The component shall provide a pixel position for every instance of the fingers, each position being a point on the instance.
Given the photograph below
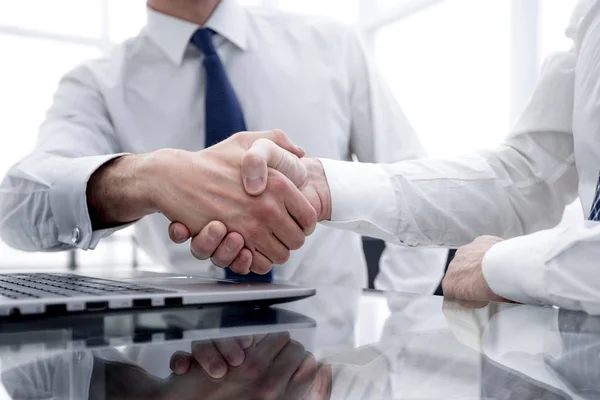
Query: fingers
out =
(179, 233)
(303, 379)
(208, 240)
(260, 264)
(263, 154)
(323, 383)
(228, 250)
(285, 365)
(303, 213)
(245, 341)
(296, 204)
(210, 359)
(269, 347)
(307, 371)
(231, 350)
(295, 208)
(180, 362)
(287, 230)
(242, 263)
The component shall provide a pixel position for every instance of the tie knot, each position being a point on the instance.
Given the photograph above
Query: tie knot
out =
(202, 39)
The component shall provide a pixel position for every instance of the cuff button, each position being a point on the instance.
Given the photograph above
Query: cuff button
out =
(75, 235)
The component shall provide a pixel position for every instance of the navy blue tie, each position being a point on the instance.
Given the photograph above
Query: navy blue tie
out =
(224, 115)
(595, 212)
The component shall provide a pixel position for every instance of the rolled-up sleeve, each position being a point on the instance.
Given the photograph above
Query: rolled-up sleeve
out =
(43, 204)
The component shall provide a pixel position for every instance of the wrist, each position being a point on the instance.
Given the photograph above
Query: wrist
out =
(318, 180)
(155, 172)
(120, 192)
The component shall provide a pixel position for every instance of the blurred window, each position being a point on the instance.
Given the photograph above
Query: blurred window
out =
(68, 17)
(451, 72)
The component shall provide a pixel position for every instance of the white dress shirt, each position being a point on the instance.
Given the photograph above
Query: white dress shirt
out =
(309, 77)
(518, 190)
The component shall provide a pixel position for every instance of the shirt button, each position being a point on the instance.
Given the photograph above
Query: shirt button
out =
(75, 235)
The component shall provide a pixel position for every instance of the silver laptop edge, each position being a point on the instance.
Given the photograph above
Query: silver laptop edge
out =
(181, 290)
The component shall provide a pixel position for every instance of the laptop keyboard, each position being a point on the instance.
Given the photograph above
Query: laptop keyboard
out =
(35, 286)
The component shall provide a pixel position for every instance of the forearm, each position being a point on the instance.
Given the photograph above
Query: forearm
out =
(520, 187)
(449, 202)
(120, 192)
(555, 267)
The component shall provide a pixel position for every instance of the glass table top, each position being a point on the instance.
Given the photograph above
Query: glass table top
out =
(340, 344)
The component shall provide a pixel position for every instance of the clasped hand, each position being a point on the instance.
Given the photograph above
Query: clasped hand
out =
(255, 201)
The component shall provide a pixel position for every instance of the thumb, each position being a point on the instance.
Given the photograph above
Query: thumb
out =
(266, 154)
(278, 137)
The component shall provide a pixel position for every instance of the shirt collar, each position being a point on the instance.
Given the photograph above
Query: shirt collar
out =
(172, 35)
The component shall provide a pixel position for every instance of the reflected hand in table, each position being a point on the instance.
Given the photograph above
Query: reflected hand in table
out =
(275, 367)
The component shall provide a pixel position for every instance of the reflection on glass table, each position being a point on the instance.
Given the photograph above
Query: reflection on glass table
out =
(424, 347)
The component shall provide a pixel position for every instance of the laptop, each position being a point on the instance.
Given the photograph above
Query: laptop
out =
(44, 337)
(52, 294)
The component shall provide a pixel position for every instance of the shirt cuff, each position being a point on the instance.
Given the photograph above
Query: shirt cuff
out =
(514, 269)
(69, 203)
(362, 198)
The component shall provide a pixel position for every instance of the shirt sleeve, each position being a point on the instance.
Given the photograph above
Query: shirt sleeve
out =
(556, 267)
(518, 188)
(43, 203)
(381, 133)
(60, 377)
(513, 191)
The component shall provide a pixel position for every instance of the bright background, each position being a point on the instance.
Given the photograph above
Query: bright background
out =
(461, 69)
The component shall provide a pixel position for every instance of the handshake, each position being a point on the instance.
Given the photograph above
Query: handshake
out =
(259, 201)
(245, 202)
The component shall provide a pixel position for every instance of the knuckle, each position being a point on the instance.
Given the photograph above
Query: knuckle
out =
(219, 262)
(253, 160)
(266, 208)
(279, 135)
(308, 217)
(284, 337)
(261, 268)
(209, 359)
(240, 136)
(253, 232)
(297, 242)
(298, 346)
(282, 257)
(447, 287)
(202, 352)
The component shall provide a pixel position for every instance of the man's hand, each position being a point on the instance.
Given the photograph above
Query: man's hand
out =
(275, 367)
(196, 188)
(464, 279)
(264, 156)
(215, 357)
